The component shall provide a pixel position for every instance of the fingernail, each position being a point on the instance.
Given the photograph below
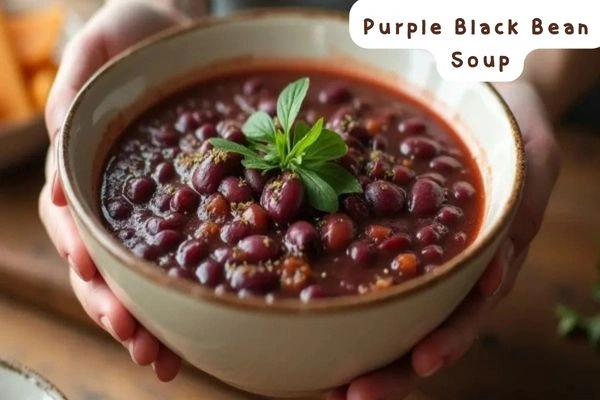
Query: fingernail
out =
(54, 189)
(128, 344)
(105, 322)
(434, 368)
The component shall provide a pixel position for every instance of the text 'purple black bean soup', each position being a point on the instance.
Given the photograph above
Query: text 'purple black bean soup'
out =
(255, 227)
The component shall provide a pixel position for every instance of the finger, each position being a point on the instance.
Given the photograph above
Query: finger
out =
(143, 347)
(338, 394)
(167, 364)
(64, 235)
(449, 342)
(512, 274)
(393, 382)
(495, 274)
(103, 307)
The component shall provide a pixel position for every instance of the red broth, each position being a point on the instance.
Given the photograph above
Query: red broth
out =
(169, 199)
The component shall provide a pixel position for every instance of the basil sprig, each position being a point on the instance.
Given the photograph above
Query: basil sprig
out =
(288, 145)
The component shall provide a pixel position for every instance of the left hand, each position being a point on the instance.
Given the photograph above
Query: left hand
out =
(455, 336)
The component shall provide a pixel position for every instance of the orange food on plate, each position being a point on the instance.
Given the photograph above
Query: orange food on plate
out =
(14, 98)
(34, 35)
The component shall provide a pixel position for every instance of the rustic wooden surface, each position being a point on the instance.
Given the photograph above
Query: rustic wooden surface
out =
(518, 355)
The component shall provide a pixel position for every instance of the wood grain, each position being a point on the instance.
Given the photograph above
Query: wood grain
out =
(518, 355)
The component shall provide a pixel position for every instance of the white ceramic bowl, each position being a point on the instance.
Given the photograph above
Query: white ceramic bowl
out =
(286, 349)
(20, 383)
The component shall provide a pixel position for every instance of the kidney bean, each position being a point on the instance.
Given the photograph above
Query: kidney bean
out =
(313, 292)
(377, 168)
(258, 248)
(216, 207)
(445, 164)
(166, 137)
(206, 132)
(337, 231)
(166, 240)
(432, 233)
(426, 197)
(402, 175)
(406, 264)
(184, 200)
(384, 198)
(396, 242)
(362, 253)
(257, 218)
(179, 273)
(434, 176)
(255, 179)
(164, 172)
(302, 236)
(355, 206)
(463, 191)
(187, 122)
(209, 272)
(208, 231)
(282, 197)
(234, 134)
(420, 147)
(235, 190)
(145, 251)
(432, 253)
(191, 252)
(269, 106)
(139, 190)
(207, 176)
(253, 86)
(335, 94)
(449, 215)
(119, 209)
(232, 232)
(225, 255)
(380, 142)
(255, 279)
(296, 274)
(350, 163)
(412, 126)
(378, 233)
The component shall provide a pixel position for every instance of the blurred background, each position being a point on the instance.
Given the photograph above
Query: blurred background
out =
(518, 356)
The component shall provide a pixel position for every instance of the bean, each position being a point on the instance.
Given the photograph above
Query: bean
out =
(406, 264)
(355, 206)
(402, 175)
(165, 137)
(119, 209)
(463, 191)
(164, 172)
(234, 134)
(335, 94)
(179, 273)
(398, 241)
(445, 164)
(378, 233)
(206, 132)
(432, 253)
(377, 168)
(420, 147)
(191, 252)
(145, 251)
(207, 176)
(254, 279)
(362, 253)
(256, 217)
(225, 256)
(208, 231)
(426, 197)
(255, 179)
(232, 232)
(449, 215)
(187, 122)
(337, 231)
(209, 273)
(184, 200)
(282, 197)
(412, 126)
(434, 176)
(216, 207)
(380, 142)
(384, 198)
(258, 248)
(166, 240)
(313, 292)
(302, 236)
(296, 274)
(235, 190)
(139, 190)
(350, 163)
(253, 85)
(269, 106)
(432, 233)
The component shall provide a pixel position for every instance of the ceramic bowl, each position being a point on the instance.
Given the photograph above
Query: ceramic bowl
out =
(284, 349)
(19, 383)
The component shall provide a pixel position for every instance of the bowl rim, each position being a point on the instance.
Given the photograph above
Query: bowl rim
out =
(28, 373)
(148, 270)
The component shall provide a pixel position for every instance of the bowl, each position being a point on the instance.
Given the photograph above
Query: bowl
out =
(18, 383)
(287, 348)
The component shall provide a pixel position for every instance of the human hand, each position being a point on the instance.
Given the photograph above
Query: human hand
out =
(116, 26)
(450, 341)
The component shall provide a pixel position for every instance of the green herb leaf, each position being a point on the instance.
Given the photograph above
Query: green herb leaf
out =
(307, 140)
(320, 195)
(300, 131)
(593, 330)
(328, 146)
(258, 163)
(289, 103)
(337, 177)
(260, 126)
(232, 147)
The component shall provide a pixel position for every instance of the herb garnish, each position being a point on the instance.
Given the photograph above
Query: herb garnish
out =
(288, 145)
(570, 320)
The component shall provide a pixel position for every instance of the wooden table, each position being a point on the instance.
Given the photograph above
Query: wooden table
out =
(517, 357)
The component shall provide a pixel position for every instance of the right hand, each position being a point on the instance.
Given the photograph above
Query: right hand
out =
(116, 26)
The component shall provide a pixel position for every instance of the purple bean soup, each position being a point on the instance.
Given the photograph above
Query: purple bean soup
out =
(282, 183)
